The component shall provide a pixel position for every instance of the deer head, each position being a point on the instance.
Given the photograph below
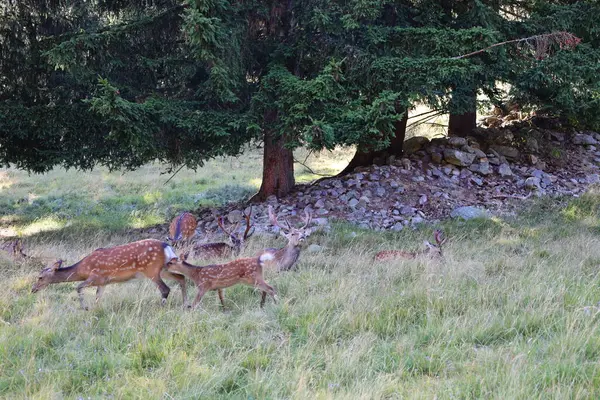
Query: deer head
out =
(295, 236)
(235, 235)
(46, 276)
(435, 249)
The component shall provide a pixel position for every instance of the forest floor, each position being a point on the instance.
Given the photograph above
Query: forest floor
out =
(511, 311)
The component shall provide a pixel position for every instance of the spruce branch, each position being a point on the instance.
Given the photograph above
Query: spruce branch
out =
(540, 44)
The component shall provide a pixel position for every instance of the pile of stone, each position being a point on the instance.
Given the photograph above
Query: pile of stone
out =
(489, 173)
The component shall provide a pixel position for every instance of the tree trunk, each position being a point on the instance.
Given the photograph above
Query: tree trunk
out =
(365, 157)
(463, 124)
(278, 165)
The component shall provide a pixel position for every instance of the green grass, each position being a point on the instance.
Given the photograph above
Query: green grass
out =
(509, 314)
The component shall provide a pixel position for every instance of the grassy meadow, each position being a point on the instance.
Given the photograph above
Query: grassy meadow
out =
(512, 312)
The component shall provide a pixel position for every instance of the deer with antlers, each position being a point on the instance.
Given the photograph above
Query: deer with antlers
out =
(431, 250)
(286, 257)
(248, 271)
(222, 249)
(145, 258)
(182, 228)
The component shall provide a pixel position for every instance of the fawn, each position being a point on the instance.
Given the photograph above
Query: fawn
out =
(221, 249)
(248, 271)
(430, 250)
(285, 258)
(145, 258)
(14, 248)
(182, 228)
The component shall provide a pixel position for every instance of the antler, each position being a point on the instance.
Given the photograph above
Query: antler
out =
(307, 219)
(248, 224)
(273, 219)
(220, 223)
(438, 237)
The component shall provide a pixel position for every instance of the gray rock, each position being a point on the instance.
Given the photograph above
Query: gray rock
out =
(320, 221)
(380, 192)
(417, 178)
(477, 181)
(272, 199)
(459, 158)
(532, 145)
(582, 138)
(234, 216)
(320, 203)
(407, 210)
(504, 170)
(537, 173)
(437, 157)
(423, 199)
(397, 227)
(506, 151)
(394, 184)
(482, 168)
(417, 220)
(414, 144)
(470, 212)
(456, 141)
(353, 202)
(532, 182)
(322, 211)
(314, 248)
(478, 153)
(593, 178)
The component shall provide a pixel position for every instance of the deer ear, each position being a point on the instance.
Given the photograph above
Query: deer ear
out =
(185, 256)
(56, 265)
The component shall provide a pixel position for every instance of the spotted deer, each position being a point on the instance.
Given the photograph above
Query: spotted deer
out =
(285, 258)
(182, 228)
(431, 250)
(222, 249)
(145, 258)
(14, 248)
(248, 271)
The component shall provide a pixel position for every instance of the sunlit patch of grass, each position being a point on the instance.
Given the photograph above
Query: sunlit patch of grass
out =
(5, 180)
(144, 221)
(46, 224)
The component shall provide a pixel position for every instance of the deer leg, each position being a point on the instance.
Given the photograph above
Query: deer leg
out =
(201, 292)
(181, 280)
(263, 298)
(164, 289)
(266, 288)
(220, 293)
(80, 288)
(99, 292)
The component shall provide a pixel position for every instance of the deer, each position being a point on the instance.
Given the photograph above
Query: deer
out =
(248, 271)
(145, 258)
(286, 257)
(14, 248)
(432, 250)
(182, 228)
(222, 249)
